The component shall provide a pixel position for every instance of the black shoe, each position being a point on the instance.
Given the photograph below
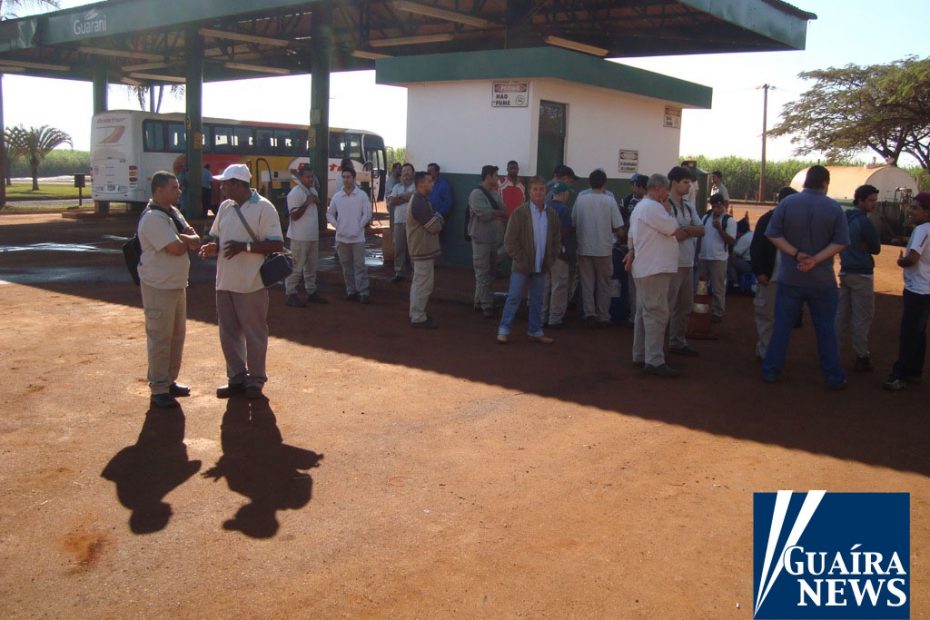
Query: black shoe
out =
(893, 384)
(316, 298)
(427, 324)
(397, 278)
(363, 299)
(351, 296)
(176, 389)
(294, 301)
(253, 392)
(488, 313)
(225, 391)
(685, 351)
(661, 371)
(863, 364)
(164, 401)
(555, 326)
(604, 324)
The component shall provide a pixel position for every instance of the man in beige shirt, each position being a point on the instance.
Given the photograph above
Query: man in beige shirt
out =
(165, 238)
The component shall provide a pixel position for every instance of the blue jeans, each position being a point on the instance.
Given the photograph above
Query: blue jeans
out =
(822, 302)
(536, 282)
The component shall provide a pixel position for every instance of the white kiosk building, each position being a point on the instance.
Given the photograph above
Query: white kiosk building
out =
(541, 107)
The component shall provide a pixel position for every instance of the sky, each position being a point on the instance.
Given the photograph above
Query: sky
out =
(845, 32)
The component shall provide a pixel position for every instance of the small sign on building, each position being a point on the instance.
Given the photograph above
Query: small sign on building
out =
(628, 161)
(672, 117)
(510, 94)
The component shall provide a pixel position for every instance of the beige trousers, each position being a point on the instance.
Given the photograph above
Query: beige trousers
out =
(680, 302)
(595, 286)
(652, 294)
(420, 289)
(855, 310)
(165, 324)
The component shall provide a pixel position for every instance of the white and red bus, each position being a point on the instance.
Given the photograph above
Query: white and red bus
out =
(128, 146)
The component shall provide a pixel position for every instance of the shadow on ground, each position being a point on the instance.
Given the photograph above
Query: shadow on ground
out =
(720, 392)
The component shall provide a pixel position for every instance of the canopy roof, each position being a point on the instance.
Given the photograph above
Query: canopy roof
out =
(144, 40)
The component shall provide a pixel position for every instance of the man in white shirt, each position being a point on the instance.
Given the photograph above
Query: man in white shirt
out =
(653, 240)
(399, 202)
(597, 219)
(681, 291)
(350, 212)
(719, 235)
(165, 237)
(304, 234)
(241, 296)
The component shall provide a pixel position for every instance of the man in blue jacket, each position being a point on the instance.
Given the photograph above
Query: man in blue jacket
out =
(857, 282)
(441, 196)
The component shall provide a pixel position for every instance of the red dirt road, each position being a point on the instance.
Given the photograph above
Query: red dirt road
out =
(404, 473)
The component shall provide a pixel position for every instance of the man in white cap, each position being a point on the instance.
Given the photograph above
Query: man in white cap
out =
(246, 228)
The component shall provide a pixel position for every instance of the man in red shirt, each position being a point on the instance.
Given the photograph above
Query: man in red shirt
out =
(511, 188)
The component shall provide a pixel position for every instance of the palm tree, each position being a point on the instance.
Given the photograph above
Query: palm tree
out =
(150, 95)
(35, 143)
(12, 147)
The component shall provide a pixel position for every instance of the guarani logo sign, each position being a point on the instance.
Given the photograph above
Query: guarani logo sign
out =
(91, 22)
(831, 555)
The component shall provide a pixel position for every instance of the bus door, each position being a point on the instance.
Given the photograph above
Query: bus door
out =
(376, 160)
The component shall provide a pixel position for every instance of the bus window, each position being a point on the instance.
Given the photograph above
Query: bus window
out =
(353, 146)
(222, 138)
(336, 146)
(154, 136)
(177, 138)
(244, 139)
(265, 141)
(289, 141)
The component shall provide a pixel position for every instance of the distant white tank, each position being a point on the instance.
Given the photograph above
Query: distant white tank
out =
(845, 179)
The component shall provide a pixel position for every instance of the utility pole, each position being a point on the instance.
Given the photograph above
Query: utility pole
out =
(765, 110)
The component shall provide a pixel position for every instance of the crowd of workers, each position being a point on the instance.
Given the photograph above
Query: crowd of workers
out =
(554, 249)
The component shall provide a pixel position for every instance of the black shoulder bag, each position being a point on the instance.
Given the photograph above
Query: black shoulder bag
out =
(277, 265)
(132, 250)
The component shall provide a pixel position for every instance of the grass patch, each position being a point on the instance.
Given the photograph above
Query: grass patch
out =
(46, 190)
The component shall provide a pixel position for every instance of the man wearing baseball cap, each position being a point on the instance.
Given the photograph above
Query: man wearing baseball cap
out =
(241, 297)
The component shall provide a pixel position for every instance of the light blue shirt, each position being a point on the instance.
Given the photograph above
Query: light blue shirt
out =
(540, 234)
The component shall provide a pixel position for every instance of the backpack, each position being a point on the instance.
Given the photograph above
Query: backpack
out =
(723, 224)
(132, 250)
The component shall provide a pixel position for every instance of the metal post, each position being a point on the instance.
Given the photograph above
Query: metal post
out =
(193, 123)
(3, 162)
(322, 44)
(101, 207)
(765, 110)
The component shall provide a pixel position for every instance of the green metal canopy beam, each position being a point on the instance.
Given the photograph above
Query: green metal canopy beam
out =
(761, 17)
(123, 17)
(541, 62)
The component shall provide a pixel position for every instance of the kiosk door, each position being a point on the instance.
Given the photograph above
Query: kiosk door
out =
(551, 150)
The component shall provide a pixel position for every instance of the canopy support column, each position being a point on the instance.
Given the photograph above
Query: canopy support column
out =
(193, 123)
(322, 44)
(101, 207)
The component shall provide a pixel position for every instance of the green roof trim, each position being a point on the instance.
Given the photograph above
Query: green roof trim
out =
(540, 62)
(777, 21)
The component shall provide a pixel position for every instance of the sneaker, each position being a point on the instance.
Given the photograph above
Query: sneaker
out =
(660, 371)
(685, 351)
(894, 385)
(503, 338)
(316, 298)
(294, 301)
(863, 364)
(541, 339)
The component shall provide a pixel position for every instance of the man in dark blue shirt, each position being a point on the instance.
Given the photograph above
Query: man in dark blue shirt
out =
(441, 196)
(809, 229)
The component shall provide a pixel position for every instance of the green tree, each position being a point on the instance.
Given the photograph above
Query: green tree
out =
(883, 108)
(35, 144)
(150, 96)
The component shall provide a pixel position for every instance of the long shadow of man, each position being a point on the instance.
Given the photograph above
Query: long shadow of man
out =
(146, 472)
(259, 465)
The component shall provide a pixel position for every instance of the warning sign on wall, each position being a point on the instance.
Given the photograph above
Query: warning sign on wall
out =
(510, 95)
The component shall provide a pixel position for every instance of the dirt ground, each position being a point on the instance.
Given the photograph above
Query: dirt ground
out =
(405, 473)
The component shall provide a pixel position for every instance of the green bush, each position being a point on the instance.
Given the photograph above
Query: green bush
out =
(59, 162)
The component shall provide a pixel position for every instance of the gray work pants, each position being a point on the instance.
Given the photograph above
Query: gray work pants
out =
(483, 257)
(555, 297)
(595, 272)
(243, 323)
(715, 271)
(764, 312)
(680, 302)
(855, 310)
(420, 289)
(651, 318)
(165, 323)
(306, 256)
(354, 271)
(400, 248)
